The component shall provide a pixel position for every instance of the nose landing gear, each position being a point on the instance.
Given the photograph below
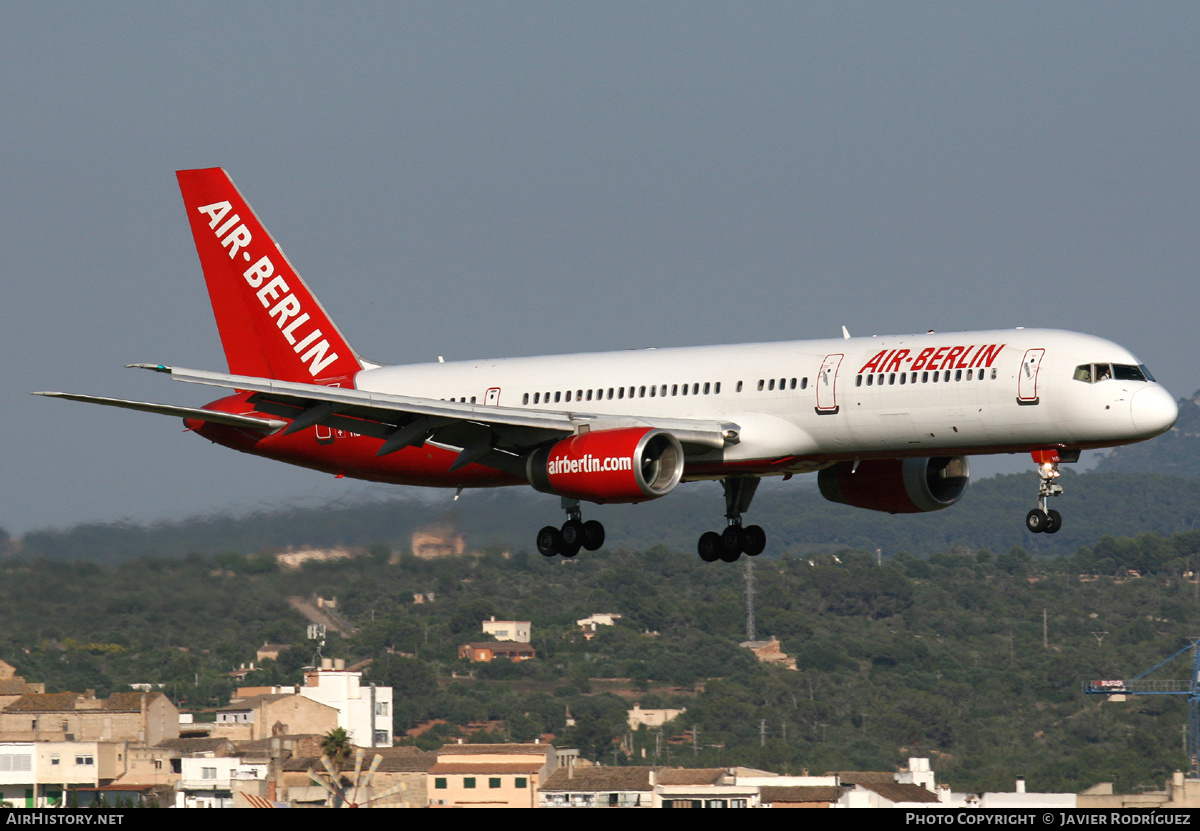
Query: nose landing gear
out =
(1040, 520)
(574, 534)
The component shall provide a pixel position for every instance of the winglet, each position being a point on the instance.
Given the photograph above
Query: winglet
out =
(271, 324)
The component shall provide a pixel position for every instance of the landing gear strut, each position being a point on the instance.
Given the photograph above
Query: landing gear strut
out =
(574, 534)
(1040, 520)
(735, 540)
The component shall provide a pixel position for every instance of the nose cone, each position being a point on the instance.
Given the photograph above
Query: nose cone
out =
(1153, 411)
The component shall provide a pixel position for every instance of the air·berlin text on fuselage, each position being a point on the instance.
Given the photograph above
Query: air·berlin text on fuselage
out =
(234, 235)
(933, 358)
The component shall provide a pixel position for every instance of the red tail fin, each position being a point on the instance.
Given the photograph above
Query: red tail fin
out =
(271, 325)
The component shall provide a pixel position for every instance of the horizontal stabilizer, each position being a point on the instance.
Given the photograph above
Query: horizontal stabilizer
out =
(263, 425)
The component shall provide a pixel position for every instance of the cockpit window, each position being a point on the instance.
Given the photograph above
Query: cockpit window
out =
(1093, 373)
(1130, 373)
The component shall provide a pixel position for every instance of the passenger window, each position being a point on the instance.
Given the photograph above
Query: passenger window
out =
(525, 399)
(739, 386)
(706, 387)
(717, 388)
(760, 384)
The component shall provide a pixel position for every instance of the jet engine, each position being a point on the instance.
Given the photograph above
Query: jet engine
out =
(630, 464)
(898, 486)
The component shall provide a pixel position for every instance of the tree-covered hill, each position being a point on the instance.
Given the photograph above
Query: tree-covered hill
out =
(972, 658)
(796, 517)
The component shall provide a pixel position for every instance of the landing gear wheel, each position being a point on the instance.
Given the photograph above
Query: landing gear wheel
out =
(1037, 520)
(710, 546)
(1053, 521)
(572, 534)
(549, 541)
(754, 540)
(593, 534)
(733, 541)
(572, 538)
(730, 555)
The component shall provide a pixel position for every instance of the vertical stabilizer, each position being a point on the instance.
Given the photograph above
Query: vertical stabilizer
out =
(271, 325)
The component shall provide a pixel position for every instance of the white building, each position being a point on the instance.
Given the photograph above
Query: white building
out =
(209, 782)
(508, 630)
(39, 774)
(365, 713)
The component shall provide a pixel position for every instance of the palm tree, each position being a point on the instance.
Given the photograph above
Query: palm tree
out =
(336, 745)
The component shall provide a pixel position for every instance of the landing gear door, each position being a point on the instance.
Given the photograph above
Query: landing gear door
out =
(1027, 380)
(827, 384)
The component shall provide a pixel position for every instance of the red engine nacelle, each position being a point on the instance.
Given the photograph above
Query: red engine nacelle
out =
(898, 486)
(632, 464)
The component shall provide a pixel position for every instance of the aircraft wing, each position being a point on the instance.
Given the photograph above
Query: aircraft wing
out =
(491, 435)
(264, 425)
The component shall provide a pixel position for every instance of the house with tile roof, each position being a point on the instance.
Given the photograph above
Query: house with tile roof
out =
(490, 775)
(599, 787)
(145, 718)
(274, 714)
(397, 780)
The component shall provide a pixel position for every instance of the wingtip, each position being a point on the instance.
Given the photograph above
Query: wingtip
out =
(151, 367)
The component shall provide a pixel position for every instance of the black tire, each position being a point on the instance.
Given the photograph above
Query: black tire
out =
(754, 540)
(733, 541)
(572, 538)
(549, 541)
(710, 546)
(1036, 521)
(572, 534)
(1053, 522)
(593, 535)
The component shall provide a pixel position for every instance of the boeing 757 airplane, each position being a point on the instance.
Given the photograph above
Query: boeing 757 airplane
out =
(887, 423)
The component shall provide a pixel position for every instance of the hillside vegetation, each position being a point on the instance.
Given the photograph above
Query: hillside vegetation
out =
(939, 655)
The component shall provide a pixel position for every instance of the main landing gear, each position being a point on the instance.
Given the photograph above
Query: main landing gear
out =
(1040, 520)
(574, 534)
(735, 540)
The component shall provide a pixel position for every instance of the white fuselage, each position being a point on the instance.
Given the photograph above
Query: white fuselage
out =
(799, 405)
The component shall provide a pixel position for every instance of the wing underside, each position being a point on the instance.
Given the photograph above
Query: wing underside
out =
(497, 436)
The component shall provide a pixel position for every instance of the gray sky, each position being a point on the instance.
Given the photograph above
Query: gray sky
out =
(492, 179)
